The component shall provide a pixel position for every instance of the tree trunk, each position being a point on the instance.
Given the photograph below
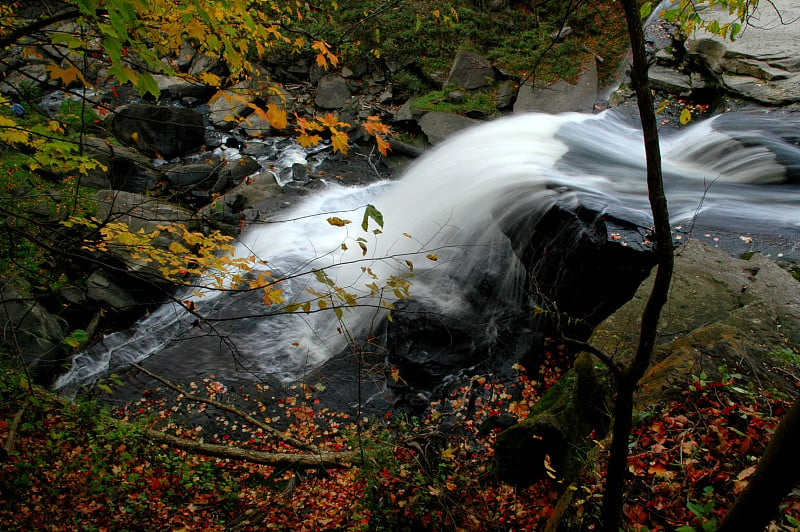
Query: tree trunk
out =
(613, 497)
(777, 473)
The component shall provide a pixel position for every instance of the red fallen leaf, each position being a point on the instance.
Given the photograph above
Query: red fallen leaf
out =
(637, 515)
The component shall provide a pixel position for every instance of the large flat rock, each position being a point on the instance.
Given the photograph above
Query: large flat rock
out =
(763, 63)
(721, 311)
(560, 97)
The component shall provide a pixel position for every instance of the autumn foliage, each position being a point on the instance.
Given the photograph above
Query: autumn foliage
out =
(69, 466)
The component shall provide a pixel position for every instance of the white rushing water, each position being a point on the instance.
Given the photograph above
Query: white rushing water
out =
(448, 203)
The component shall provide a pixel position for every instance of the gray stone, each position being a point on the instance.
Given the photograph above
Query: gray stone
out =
(560, 97)
(249, 194)
(437, 126)
(126, 169)
(168, 131)
(28, 326)
(228, 107)
(506, 95)
(561, 35)
(706, 52)
(233, 172)
(333, 92)
(455, 97)
(385, 97)
(175, 87)
(763, 63)
(139, 211)
(254, 126)
(669, 80)
(407, 112)
(664, 56)
(470, 71)
(258, 149)
(102, 290)
(203, 63)
(719, 309)
(185, 56)
(767, 92)
(184, 175)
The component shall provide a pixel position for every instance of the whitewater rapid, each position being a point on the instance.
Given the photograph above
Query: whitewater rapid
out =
(737, 172)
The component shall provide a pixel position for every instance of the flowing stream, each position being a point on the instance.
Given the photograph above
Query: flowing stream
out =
(737, 174)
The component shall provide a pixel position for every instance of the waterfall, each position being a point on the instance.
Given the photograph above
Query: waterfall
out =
(733, 172)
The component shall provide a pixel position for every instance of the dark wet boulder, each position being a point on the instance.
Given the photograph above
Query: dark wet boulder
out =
(582, 262)
(197, 175)
(36, 333)
(166, 131)
(125, 169)
(581, 265)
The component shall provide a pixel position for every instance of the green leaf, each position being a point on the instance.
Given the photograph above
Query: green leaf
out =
(68, 39)
(106, 388)
(375, 214)
(646, 9)
(735, 29)
(146, 84)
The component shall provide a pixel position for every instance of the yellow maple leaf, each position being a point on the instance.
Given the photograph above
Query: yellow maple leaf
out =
(330, 120)
(306, 125)
(276, 116)
(448, 454)
(325, 55)
(383, 146)
(339, 140)
(306, 141)
(66, 75)
(374, 126)
(260, 113)
(338, 222)
(272, 296)
(210, 79)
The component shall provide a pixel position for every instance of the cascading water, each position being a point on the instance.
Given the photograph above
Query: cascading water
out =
(733, 172)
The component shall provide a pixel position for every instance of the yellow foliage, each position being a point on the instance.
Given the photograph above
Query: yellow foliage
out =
(11, 133)
(329, 123)
(374, 127)
(324, 56)
(277, 117)
(66, 75)
(189, 254)
(339, 141)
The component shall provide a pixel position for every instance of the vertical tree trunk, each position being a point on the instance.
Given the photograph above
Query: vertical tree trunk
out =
(777, 473)
(626, 386)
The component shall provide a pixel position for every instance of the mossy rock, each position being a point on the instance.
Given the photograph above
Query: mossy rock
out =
(559, 429)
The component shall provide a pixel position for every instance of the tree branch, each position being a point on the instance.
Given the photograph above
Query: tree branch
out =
(323, 460)
(24, 31)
